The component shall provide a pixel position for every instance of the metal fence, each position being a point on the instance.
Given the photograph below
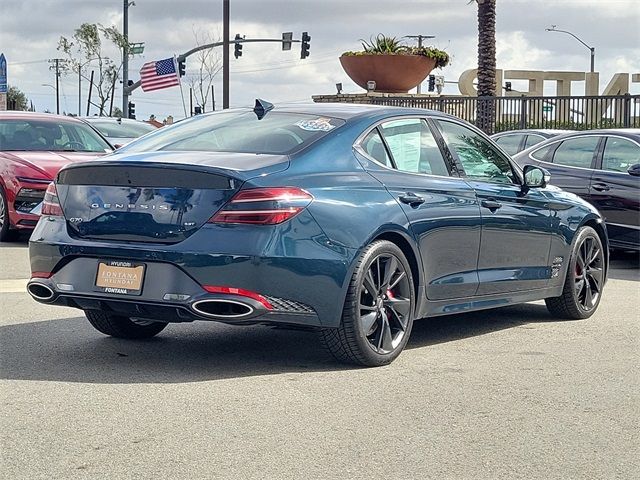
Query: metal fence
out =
(574, 113)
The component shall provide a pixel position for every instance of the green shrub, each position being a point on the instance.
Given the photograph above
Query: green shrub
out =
(384, 45)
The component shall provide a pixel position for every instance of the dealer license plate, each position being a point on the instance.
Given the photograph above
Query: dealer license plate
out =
(120, 277)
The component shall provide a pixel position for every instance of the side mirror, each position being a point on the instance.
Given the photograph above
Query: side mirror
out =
(117, 146)
(634, 170)
(535, 177)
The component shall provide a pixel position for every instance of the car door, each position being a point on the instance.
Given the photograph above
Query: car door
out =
(571, 162)
(616, 193)
(442, 209)
(516, 223)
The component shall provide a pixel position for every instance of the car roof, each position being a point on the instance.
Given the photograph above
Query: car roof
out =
(348, 111)
(543, 131)
(48, 117)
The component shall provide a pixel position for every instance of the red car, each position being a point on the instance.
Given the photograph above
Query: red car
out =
(33, 147)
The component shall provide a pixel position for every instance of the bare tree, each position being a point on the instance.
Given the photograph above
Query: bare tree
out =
(207, 65)
(86, 45)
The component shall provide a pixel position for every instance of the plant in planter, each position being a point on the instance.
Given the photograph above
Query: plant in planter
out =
(394, 66)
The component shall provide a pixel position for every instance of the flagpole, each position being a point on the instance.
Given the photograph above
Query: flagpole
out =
(184, 105)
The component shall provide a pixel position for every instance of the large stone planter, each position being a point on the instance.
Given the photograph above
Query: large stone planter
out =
(392, 73)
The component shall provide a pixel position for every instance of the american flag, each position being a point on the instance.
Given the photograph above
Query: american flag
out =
(159, 74)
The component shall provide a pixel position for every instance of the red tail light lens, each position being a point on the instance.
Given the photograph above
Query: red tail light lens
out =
(51, 204)
(240, 292)
(263, 206)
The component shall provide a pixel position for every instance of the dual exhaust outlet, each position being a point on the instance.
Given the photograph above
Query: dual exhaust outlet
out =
(210, 308)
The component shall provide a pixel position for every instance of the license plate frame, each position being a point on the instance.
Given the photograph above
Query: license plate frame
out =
(119, 277)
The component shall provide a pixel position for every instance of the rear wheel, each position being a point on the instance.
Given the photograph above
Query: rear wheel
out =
(123, 327)
(585, 278)
(378, 312)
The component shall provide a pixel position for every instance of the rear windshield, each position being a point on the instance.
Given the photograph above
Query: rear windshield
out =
(239, 131)
(113, 129)
(49, 135)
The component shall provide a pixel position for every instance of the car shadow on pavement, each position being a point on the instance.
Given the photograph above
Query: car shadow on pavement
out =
(69, 350)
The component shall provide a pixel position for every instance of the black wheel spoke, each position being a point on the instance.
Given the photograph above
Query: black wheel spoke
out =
(368, 321)
(588, 295)
(368, 308)
(397, 280)
(397, 319)
(399, 305)
(595, 275)
(579, 287)
(389, 270)
(370, 284)
(385, 335)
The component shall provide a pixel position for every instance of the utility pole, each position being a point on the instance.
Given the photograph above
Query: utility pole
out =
(56, 63)
(125, 56)
(420, 38)
(225, 54)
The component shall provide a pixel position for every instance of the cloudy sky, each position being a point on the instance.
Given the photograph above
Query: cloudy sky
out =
(30, 29)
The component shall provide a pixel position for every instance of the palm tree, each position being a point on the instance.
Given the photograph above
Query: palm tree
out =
(485, 114)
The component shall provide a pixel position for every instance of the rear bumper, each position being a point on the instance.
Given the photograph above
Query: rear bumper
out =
(283, 311)
(302, 279)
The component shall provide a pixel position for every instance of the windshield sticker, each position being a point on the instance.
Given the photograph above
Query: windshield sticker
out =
(316, 125)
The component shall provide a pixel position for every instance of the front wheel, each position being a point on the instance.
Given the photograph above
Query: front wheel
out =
(6, 233)
(585, 278)
(123, 327)
(378, 311)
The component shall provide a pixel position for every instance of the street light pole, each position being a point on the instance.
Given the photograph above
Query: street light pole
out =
(591, 49)
(420, 37)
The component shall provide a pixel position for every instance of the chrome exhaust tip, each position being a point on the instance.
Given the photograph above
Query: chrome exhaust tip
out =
(40, 291)
(219, 308)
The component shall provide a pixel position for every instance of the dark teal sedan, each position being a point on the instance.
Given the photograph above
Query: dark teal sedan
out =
(350, 220)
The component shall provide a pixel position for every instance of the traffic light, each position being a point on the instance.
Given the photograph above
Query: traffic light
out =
(238, 46)
(304, 51)
(131, 111)
(182, 67)
(432, 83)
(507, 86)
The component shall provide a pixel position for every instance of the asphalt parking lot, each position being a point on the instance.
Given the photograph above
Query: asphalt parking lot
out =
(508, 393)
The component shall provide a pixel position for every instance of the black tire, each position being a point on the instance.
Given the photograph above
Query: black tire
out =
(365, 339)
(122, 327)
(6, 233)
(584, 281)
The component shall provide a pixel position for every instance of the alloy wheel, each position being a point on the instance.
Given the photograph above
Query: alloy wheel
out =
(385, 303)
(588, 273)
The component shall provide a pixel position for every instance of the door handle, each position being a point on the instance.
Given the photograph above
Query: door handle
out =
(601, 187)
(491, 204)
(411, 199)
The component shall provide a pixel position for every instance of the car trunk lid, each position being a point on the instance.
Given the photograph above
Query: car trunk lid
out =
(152, 201)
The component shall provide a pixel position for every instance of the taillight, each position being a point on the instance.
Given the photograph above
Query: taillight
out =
(240, 292)
(263, 206)
(51, 204)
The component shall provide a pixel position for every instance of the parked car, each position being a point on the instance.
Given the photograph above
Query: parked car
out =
(120, 131)
(603, 167)
(33, 147)
(514, 141)
(350, 219)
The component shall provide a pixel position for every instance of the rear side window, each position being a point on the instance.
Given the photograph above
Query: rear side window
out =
(510, 143)
(532, 140)
(372, 144)
(576, 152)
(620, 154)
(413, 147)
